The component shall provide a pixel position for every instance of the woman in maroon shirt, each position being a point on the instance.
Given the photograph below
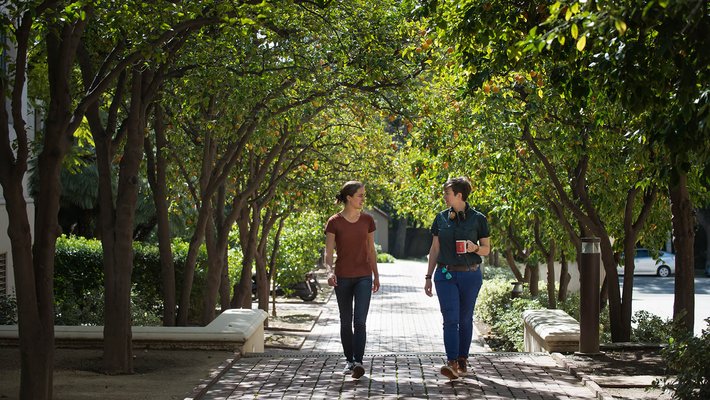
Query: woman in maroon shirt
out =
(352, 234)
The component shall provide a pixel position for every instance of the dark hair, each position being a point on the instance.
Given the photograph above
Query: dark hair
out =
(459, 185)
(348, 189)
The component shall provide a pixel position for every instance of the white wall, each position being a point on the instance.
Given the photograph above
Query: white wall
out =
(5, 245)
(382, 231)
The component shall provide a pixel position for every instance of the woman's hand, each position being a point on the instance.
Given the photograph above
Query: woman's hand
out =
(471, 247)
(427, 288)
(376, 284)
(332, 279)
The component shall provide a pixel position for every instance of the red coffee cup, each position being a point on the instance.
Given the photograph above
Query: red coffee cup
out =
(460, 247)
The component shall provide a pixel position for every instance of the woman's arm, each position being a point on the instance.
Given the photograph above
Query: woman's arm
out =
(482, 248)
(373, 262)
(329, 247)
(433, 255)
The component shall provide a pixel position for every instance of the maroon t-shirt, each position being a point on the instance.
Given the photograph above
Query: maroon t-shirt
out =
(354, 256)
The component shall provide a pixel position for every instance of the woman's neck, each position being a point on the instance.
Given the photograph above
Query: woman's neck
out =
(350, 212)
(459, 207)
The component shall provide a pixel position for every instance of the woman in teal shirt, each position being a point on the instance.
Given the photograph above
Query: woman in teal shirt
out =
(456, 272)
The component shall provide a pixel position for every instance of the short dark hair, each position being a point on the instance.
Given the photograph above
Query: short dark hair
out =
(348, 189)
(459, 185)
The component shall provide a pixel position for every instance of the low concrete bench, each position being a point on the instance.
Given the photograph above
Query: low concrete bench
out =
(550, 331)
(239, 330)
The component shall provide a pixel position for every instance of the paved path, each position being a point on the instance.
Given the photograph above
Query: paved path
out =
(403, 356)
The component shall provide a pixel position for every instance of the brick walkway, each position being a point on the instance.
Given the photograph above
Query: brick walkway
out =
(403, 356)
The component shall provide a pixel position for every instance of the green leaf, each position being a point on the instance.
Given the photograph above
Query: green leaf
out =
(581, 43)
(620, 26)
(575, 31)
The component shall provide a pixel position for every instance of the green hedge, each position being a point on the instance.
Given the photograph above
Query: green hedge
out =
(8, 310)
(496, 308)
(78, 282)
(687, 357)
(503, 314)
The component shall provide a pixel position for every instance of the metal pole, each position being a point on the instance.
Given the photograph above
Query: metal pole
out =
(589, 296)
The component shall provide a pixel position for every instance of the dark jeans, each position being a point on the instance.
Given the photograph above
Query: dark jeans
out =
(360, 290)
(457, 299)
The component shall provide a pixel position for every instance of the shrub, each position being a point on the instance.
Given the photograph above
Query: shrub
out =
(300, 244)
(79, 277)
(493, 272)
(8, 309)
(493, 299)
(650, 328)
(688, 357)
(503, 314)
(78, 281)
(385, 258)
(510, 323)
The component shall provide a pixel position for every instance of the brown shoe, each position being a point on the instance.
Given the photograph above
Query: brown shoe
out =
(450, 370)
(462, 366)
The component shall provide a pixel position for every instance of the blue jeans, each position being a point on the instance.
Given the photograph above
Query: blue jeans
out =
(360, 290)
(457, 299)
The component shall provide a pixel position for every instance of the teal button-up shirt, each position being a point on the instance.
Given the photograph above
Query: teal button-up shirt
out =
(473, 227)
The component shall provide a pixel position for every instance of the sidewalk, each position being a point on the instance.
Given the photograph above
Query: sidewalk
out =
(403, 355)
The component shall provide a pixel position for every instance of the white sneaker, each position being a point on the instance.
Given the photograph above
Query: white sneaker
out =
(348, 368)
(358, 370)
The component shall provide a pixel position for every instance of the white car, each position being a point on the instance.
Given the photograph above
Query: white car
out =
(645, 264)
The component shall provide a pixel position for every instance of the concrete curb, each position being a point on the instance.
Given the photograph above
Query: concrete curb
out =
(215, 375)
(562, 361)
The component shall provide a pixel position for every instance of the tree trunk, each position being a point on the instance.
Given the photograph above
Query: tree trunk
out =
(34, 300)
(612, 282)
(33, 263)
(191, 263)
(580, 204)
(399, 249)
(510, 258)
(552, 300)
(214, 268)
(549, 254)
(565, 278)
(224, 284)
(204, 206)
(35, 274)
(241, 295)
(628, 288)
(703, 217)
(632, 226)
(494, 258)
(156, 171)
(218, 272)
(534, 284)
(262, 257)
(273, 273)
(683, 241)
(117, 237)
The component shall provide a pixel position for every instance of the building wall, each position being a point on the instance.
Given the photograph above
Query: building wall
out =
(6, 249)
(382, 231)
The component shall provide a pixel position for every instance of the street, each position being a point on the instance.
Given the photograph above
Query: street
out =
(655, 295)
